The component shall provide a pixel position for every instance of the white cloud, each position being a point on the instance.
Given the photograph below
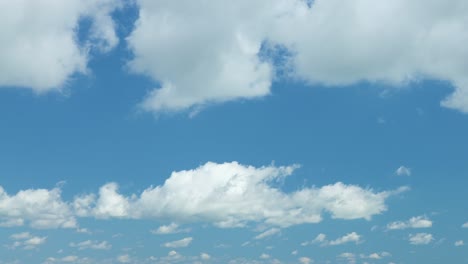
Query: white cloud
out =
(124, 258)
(413, 222)
(203, 56)
(172, 228)
(376, 255)
(19, 236)
(350, 257)
(40, 49)
(88, 244)
(40, 208)
(459, 243)
(70, 259)
(420, 238)
(268, 233)
(26, 240)
(200, 53)
(264, 256)
(305, 260)
(67, 259)
(351, 237)
(465, 225)
(226, 195)
(403, 171)
(319, 239)
(184, 242)
(231, 194)
(205, 256)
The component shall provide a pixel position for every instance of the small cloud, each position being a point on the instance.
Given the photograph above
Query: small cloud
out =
(26, 240)
(351, 237)
(70, 259)
(205, 256)
(88, 244)
(350, 257)
(403, 171)
(320, 238)
(465, 225)
(124, 258)
(172, 228)
(20, 236)
(459, 243)
(294, 253)
(376, 255)
(83, 230)
(179, 243)
(305, 260)
(264, 256)
(420, 238)
(413, 222)
(268, 233)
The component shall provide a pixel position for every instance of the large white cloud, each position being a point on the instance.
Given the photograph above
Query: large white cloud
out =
(226, 195)
(40, 208)
(201, 51)
(208, 51)
(231, 195)
(40, 48)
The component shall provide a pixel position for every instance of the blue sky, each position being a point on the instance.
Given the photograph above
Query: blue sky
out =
(246, 132)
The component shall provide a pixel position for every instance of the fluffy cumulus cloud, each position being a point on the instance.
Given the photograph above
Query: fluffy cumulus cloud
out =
(465, 225)
(231, 195)
(200, 53)
(413, 222)
(420, 238)
(459, 243)
(226, 195)
(40, 208)
(40, 48)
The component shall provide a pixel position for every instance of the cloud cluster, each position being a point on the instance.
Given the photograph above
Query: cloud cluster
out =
(88, 244)
(40, 43)
(321, 239)
(26, 241)
(413, 222)
(226, 195)
(201, 53)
